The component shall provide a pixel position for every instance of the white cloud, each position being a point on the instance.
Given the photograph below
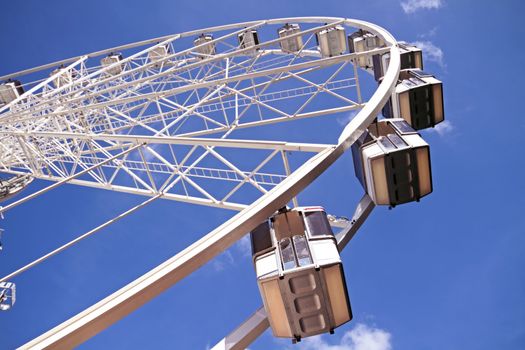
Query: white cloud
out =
(431, 33)
(227, 259)
(343, 120)
(222, 261)
(431, 52)
(443, 128)
(244, 245)
(411, 6)
(361, 337)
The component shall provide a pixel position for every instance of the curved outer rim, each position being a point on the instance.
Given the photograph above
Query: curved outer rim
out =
(177, 36)
(130, 297)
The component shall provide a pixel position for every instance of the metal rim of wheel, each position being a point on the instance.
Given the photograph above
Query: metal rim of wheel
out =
(96, 125)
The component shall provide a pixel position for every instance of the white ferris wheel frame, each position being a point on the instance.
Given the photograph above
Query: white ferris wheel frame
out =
(116, 306)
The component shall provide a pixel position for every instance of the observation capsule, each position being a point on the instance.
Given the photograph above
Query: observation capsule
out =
(411, 57)
(332, 41)
(207, 48)
(290, 45)
(63, 77)
(247, 39)
(300, 273)
(7, 295)
(159, 55)
(362, 41)
(392, 162)
(110, 59)
(418, 98)
(10, 187)
(10, 90)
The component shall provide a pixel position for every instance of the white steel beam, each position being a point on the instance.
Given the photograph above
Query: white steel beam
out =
(99, 316)
(65, 180)
(180, 140)
(215, 82)
(246, 333)
(257, 323)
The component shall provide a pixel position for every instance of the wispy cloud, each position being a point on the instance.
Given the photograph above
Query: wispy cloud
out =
(345, 119)
(222, 261)
(244, 245)
(411, 6)
(431, 52)
(431, 33)
(228, 258)
(361, 337)
(443, 128)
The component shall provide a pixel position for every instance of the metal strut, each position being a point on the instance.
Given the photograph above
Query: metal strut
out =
(257, 323)
(109, 310)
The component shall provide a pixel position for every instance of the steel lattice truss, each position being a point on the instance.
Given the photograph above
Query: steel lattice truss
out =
(174, 120)
(154, 125)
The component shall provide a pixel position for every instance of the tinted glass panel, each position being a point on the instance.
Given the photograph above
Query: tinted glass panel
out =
(397, 141)
(413, 82)
(420, 73)
(403, 127)
(301, 248)
(287, 253)
(385, 144)
(261, 238)
(317, 223)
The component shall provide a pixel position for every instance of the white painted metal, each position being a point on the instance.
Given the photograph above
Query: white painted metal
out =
(79, 238)
(257, 323)
(74, 138)
(99, 116)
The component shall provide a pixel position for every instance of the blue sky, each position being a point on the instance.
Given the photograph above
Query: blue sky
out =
(445, 273)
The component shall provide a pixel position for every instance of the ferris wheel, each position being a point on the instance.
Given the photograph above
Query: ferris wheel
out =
(190, 117)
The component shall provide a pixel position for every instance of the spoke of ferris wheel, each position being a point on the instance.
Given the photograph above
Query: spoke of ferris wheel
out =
(136, 44)
(169, 71)
(257, 323)
(80, 238)
(368, 53)
(101, 315)
(65, 180)
(94, 230)
(179, 140)
(208, 143)
(210, 59)
(42, 84)
(255, 99)
(153, 118)
(206, 84)
(164, 187)
(261, 92)
(62, 112)
(276, 120)
(330, 24)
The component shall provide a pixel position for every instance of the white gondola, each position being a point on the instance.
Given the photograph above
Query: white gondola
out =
(392, 162)
(12, 186)
(362, 41)
(159, 54)
(63, 76)
(111, 59)
(418, 98)
(293, 44)
(300, 274)
(247, 39)
(203, 45)
(10, 90)
(7, 295)
(332, 41)
(411, 57)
